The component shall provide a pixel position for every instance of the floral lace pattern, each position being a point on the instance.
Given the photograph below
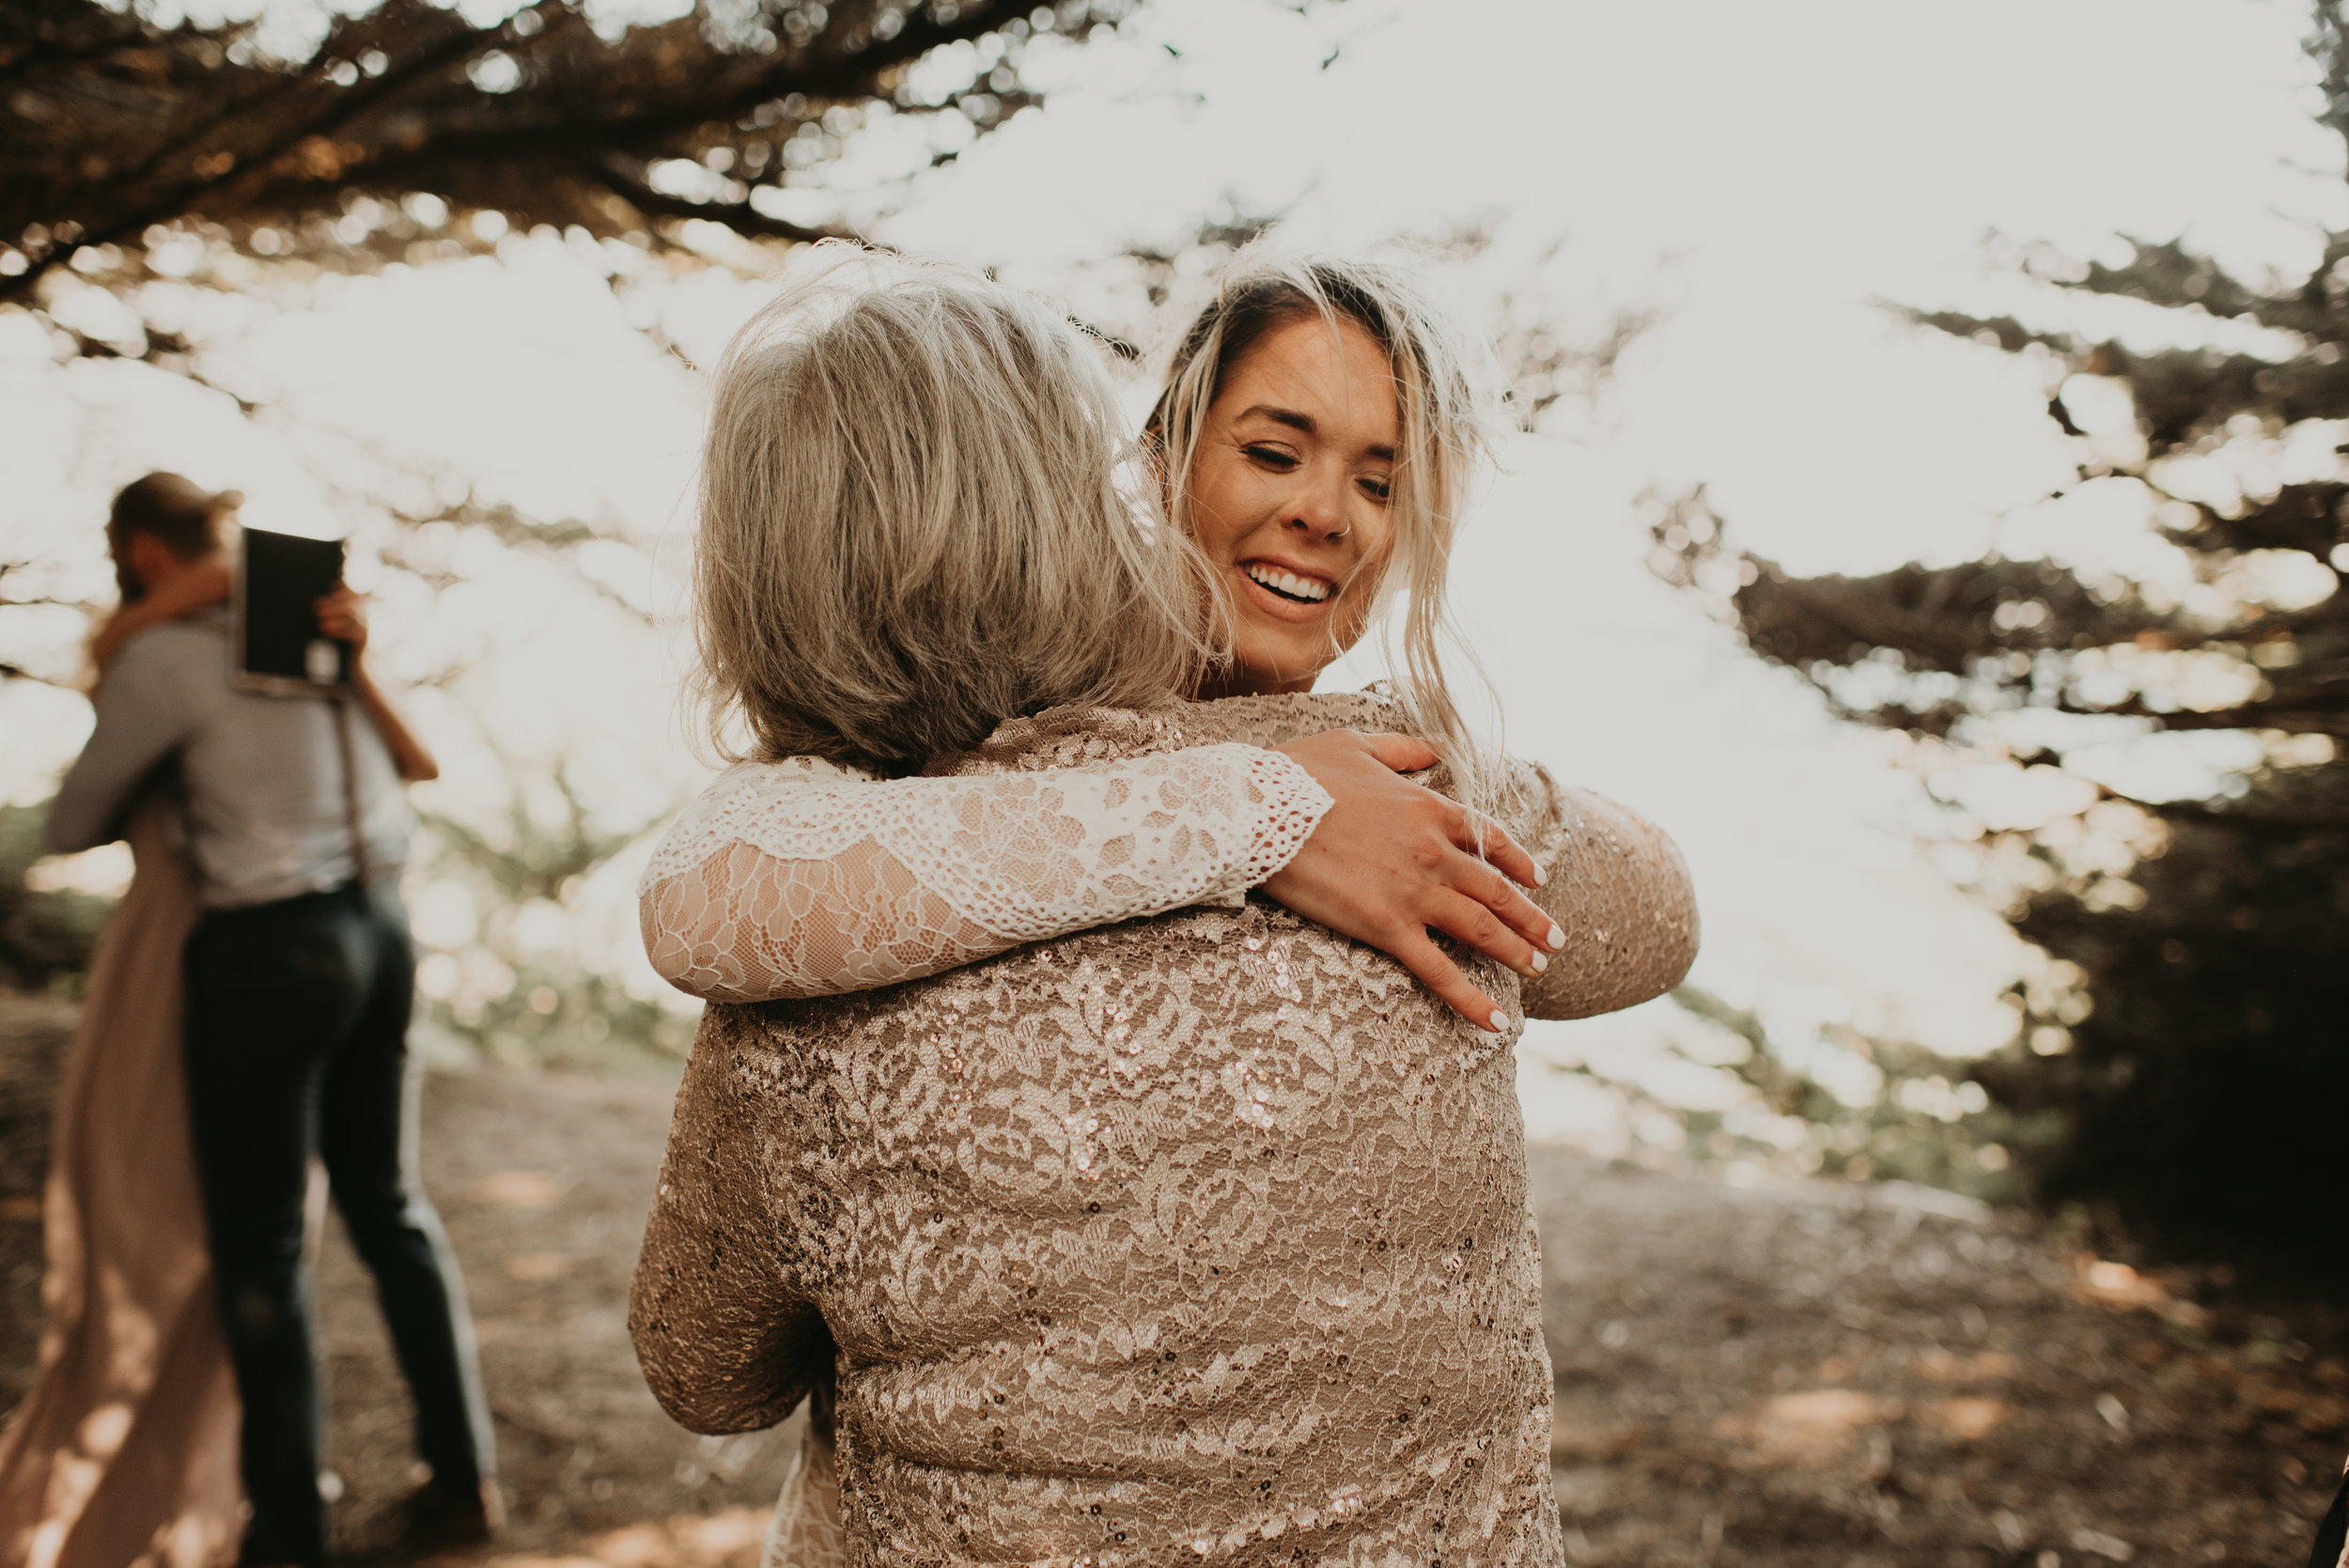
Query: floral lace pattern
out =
(1200, 1240)
(805, 878)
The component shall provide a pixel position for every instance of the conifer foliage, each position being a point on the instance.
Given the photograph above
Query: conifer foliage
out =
(2191, 1054)
(117, 129)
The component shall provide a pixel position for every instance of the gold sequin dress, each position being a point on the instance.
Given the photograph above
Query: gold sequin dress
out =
(1200, 1238)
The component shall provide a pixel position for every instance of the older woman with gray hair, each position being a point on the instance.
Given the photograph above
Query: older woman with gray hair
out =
(1050, 1123)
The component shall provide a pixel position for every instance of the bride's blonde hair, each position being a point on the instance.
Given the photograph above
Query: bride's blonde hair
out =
(912, 523)
(1444, 437)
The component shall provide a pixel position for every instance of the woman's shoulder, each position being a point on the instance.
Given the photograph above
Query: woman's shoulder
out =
(1076, 737)
(1067, 737)
(1275, 719)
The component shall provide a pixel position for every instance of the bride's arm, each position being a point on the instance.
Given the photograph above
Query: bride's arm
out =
(803, 879)
(200, 584)
(1619, 893)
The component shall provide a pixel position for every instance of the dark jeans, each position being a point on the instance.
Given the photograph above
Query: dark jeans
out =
(297, 1044)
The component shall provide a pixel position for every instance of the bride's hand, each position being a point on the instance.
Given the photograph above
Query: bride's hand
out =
(1390, 859)
(202, 582)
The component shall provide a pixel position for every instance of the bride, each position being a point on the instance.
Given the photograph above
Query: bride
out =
(1137, 1219)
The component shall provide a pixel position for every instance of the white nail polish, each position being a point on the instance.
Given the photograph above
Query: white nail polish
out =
(1557, 939)
(1541, 962)
(1501, 1021)
(1541, 877)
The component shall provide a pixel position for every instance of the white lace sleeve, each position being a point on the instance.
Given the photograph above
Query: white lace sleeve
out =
(804, 879)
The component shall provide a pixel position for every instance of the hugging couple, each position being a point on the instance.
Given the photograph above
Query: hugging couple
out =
(1105, 1117)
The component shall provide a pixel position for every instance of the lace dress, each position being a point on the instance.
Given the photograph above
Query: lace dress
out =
(1200, 1238)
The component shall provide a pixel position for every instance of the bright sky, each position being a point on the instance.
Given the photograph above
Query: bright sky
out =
(1762, 174)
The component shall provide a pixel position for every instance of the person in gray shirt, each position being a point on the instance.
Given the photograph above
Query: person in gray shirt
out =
(300, 981)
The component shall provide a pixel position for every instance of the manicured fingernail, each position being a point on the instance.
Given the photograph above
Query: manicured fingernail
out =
(1541, 962)
(1541, 877)
(1501, 1021)
(1557, 939)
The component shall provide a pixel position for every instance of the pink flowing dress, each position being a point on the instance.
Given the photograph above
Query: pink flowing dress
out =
(125, 1452)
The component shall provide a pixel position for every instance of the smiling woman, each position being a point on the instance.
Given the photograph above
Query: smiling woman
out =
(1318, 434)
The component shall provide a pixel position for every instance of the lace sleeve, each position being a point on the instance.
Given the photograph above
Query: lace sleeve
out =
(803, 879)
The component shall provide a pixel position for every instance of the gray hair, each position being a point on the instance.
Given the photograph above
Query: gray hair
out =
(918, 517)
(1444, 437)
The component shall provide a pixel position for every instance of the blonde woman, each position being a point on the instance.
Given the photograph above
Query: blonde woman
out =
(1198, 1237)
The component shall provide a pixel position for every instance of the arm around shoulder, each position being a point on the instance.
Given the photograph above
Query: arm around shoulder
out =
(725, 1343)
(803, 879)
(1620, 891)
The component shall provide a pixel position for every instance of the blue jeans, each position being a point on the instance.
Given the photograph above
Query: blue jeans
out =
(297, 1044)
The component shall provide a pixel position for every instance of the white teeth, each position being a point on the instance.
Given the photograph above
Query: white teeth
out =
(1289, 583)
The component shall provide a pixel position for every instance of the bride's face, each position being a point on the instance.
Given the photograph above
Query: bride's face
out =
(1289, 499)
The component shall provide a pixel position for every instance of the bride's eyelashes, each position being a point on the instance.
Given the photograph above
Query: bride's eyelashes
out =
(1283, 461)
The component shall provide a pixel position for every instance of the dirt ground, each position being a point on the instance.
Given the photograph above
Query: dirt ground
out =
(1818, 1373)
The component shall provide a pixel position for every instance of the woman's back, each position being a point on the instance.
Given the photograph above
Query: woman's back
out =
(1197, 1238)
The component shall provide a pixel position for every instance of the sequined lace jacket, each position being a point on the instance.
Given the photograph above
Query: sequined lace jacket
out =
(1196, 1238)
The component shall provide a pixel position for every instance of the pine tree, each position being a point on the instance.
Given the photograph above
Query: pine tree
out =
(2198, 1059)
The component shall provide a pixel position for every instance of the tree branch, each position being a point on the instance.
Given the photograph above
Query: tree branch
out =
(149, 127)
(739, 216)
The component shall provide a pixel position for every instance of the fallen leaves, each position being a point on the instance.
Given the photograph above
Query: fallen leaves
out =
(2105, 1284)
(2102, 1545)
(518, 1189)
(1809, 1430)
(1944, 1367)
(1969, 1419)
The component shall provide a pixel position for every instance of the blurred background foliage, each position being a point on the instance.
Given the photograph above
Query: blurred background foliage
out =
(503, 973)
(45, 933)
(2182, 1069)
(1857, 1106)
(134, 135)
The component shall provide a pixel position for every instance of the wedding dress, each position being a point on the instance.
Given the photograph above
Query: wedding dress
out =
(1200, 1238)
(125, 1451)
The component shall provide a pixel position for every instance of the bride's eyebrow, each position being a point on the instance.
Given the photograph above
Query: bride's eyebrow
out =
(1303, 424)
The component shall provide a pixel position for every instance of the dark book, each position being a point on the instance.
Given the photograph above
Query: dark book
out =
(278, 644)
